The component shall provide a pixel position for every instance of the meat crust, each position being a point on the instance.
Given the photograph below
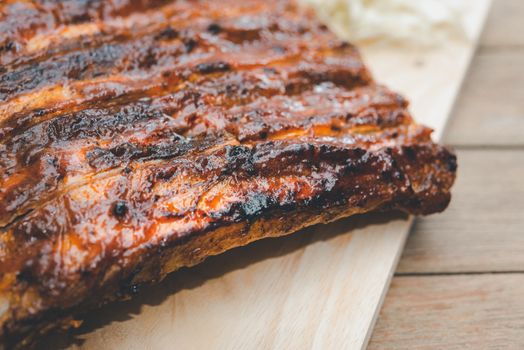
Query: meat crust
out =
(141, 136)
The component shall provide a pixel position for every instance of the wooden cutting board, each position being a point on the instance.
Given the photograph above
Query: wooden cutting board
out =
(321, 288)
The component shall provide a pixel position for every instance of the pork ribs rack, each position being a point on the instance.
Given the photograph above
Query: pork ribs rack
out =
(141, 136)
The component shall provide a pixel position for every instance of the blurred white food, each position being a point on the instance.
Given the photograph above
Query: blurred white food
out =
(411, 22)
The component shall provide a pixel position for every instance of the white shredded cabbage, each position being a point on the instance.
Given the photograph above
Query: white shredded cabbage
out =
(419, 22)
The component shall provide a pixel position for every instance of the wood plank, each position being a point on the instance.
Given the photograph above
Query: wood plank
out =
(483, 229)
(452, 312)
(289, 293)
(490, 108)
(429, 76)
(504, 25)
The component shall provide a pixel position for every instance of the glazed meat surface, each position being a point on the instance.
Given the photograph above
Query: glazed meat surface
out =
(141, 136)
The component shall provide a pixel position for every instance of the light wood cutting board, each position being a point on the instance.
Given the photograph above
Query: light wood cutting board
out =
(321, 288)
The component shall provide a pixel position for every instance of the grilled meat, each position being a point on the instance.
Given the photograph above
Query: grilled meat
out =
(141, 136)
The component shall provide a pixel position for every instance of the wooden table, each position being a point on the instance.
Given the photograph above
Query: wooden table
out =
(460, 282)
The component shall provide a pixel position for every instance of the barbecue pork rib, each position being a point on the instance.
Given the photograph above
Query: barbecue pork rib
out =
(141, 136)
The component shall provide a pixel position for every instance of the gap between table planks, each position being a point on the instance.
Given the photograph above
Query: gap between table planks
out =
(320, 288)
(454, 312)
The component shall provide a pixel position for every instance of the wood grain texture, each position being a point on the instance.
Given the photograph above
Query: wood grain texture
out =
(431, 77)
(482, 231)
(296, 292)
(275, 294)
(483, 228)
(452, 312)
(490, 109)
(504, 25)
